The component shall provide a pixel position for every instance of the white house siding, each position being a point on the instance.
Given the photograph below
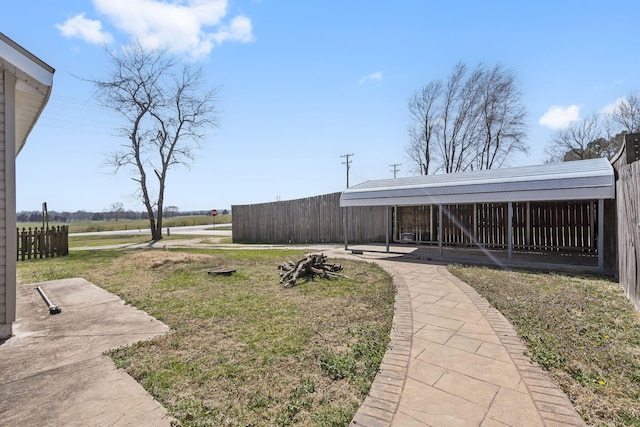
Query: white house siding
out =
(25, 87)
(7, 204)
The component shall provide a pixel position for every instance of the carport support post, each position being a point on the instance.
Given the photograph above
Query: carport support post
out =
(440, 229)
(601, 234)
(509, 231)
(344, 226)
(386, 226)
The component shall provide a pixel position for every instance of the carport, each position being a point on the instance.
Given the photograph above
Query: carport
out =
(547, 216)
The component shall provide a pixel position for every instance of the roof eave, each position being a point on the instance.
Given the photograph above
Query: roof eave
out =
(34, 80)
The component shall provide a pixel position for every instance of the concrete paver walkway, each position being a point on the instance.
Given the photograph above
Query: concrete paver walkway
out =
(455, 361)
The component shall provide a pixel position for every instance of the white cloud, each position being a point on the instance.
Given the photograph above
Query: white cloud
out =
(560, 117)
(88, 30)
(238, 30)
(377, 76)
(194, 27)
(612, 107)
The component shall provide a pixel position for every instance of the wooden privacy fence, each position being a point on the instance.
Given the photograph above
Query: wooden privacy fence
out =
(42, 242)
(629, 230)
(318, 219)
(556, 226)
(471, 224)
(537, 226)
(627, 224)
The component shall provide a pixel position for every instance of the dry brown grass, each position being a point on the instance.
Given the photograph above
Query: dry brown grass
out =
(156, 259)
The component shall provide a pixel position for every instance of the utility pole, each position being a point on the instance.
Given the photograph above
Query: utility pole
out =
(348, 163)
(395, 169)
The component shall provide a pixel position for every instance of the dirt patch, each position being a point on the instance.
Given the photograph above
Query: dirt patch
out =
(157, 259)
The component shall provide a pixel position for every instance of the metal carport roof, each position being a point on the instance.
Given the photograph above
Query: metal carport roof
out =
(577, 180)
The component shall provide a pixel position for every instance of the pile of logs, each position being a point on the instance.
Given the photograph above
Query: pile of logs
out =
(307, 268)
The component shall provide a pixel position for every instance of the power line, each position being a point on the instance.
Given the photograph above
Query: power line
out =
(348, 163)
(395, 168)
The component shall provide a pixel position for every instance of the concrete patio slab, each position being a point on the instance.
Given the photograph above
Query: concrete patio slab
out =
(52, 371)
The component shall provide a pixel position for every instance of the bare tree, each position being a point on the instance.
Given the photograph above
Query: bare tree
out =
(473, 120)
(590, 138)
(627, 114)
(423, 110)
(460, 119)
(606, 146)
(117, 208)
(171, 211)
(503, 118)
(165, 110)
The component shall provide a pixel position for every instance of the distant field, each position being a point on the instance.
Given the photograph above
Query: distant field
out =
(92, 226)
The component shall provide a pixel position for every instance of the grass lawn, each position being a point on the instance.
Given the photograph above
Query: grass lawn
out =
(242, 350)
(580, 328)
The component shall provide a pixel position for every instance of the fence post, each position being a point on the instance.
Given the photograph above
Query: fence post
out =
(601, 234)
(65, 240)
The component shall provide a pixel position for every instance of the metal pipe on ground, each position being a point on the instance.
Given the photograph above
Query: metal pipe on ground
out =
(53, 309)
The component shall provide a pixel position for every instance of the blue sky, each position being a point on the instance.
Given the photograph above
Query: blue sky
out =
(304, 82)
